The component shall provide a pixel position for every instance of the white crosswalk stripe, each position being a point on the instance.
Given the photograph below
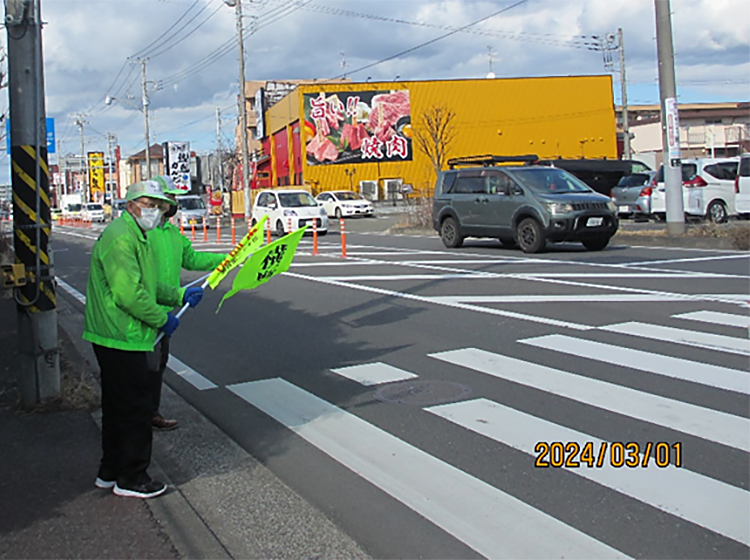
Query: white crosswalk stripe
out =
(490, 521)
(374, 374)
(680, 336)
(683, 417)
(717, 318)
(696, 498)
(677, 368)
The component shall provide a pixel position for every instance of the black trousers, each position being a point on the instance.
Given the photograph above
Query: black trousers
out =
(126, 414)
(157, 363)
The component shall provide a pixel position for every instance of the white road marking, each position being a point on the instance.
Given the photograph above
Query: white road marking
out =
(71, 290)
(717, 318)
(677, 368)
(488, 520)
(710, 503)
(712, 425)
(610, 298)
(691, 259)
(404, 295)
(374, 374)
(680, 336)
(189, 374)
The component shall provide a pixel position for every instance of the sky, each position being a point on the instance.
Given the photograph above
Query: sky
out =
(92, 50)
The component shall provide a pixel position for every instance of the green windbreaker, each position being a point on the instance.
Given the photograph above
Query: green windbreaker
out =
(172, 252)
(123, 295)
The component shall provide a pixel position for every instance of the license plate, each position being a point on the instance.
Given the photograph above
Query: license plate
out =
(594, 222)
(623, 208)
(191, 222)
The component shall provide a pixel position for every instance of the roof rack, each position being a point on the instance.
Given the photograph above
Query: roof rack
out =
(489, 160)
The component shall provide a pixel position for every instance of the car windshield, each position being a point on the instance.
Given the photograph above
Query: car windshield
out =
(297, 200)
(74, 207)
(191, 204)
(550, 180)
(348, 195)
(94, 207)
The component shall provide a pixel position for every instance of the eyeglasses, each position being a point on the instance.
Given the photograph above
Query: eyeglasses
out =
(147, 203)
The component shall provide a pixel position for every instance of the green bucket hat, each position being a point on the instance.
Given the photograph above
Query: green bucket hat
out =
(167, 184)
(150, 189)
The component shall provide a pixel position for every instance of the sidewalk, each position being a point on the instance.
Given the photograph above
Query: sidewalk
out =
(221, 502)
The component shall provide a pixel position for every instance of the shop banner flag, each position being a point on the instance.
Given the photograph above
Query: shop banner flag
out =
(237, 256)
(265, 263)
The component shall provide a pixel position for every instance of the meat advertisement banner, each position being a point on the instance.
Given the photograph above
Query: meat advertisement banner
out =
(357, 127)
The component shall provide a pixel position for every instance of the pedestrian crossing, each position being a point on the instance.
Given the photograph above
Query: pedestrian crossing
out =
(490, 518)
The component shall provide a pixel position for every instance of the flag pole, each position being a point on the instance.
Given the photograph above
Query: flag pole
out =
(179, 314)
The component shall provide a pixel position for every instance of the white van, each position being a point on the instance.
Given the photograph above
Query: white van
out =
(707, 189)
(742, 187)
(191, 211)
(289, 210)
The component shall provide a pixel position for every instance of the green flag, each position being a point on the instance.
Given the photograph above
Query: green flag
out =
(265, 263)
(241, 251)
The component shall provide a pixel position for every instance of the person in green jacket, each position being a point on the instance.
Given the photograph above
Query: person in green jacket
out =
(173, 251)
(122, 319)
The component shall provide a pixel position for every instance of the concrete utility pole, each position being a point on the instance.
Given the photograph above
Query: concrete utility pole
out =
(670, 123)
(623, 82)
(242, 104)
(145, 118)
(39, 375)
(113, 184)
(80, 122)
(220, 163)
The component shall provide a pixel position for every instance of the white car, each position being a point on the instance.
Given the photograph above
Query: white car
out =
(192, 211)
(288, 210)
(345, 203)
(94, 211)
(742, 187)
(707, 189)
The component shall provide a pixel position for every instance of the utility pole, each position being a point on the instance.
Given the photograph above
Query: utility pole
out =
(111, 138)
(80, 121)
(34, 291)
(144, 85)
(242, 105)
(624, 88)
(670, 123)
(218, 151)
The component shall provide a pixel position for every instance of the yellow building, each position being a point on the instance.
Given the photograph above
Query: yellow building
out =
(349, 135)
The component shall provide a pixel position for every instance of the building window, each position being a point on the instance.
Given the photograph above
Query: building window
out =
(712, 121)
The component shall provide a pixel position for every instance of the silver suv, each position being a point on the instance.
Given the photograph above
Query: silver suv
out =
(519, 203)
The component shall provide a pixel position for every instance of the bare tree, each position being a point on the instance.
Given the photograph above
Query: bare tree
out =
(434, 134)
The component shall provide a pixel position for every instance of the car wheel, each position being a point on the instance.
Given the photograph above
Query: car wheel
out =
(253, 223)
(596, 244)
(530, 236)
(716, 212)
(337, 213)
(280, 229)
(451, 234)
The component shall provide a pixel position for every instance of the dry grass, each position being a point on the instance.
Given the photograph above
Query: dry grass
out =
(418, 216)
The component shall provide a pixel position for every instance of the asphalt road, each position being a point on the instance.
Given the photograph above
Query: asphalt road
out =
(414, 394)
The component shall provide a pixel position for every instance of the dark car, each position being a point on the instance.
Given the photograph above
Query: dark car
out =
(509, 199)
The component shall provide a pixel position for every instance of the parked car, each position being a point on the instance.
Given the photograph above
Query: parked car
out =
(118, 207)
(94, 212)
(519, 203)
(192, 211)
(632, 195)
(707, 189)
(344, 204)
(602, 175)
(289, 210)
(742, 187)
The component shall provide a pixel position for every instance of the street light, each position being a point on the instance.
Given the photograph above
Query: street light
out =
(143, 109)
(108, 101)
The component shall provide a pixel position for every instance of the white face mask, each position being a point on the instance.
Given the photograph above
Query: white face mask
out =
(149, 218)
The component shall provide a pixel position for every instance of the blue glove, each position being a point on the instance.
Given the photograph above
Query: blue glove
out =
(171, 325)
(192, 296)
